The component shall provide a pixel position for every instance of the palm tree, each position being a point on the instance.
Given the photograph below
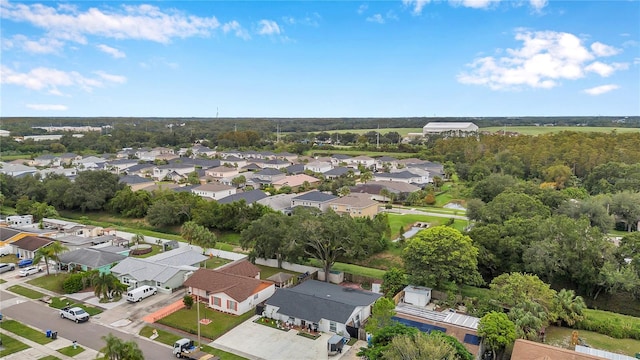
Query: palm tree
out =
(106, 286)
(137, 238)
(569, 307)
(117, 349)
(366, 176)
(49, 252)
(529, 318)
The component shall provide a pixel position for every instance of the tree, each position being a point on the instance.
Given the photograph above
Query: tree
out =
(366, 176)
(117, 349)
(381, 314)
(187, 300)
(420, 346)
(626, 207)
(106, 286)
(517, 288)
(497, 331)
(344, 191)
(137, 239)
(380, 341)
(393, 281)
(198, 235)
(487, 189)
(558, 174)
(268, 238)
(49, 252)
(92, 190)
(569, 307)
(441, 257)
(239, 181)
(529, 318)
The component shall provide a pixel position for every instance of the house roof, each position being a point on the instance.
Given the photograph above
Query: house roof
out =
(337, 171)
(295, 169)
(6, 233)
(340, 156)
(135, 179)
(241, 268)
(31, 243)
(223, 169)
(142, 269)
(356, 200)
(314, 300)
(278, 202)
(178, 257)
(270, 171)
(530, 350)
(93, 258)
(213, 187)
(395, 185)
(386, 159)
(296, 180)
(249, 197)
(362, 157)
(280, 277)
(315, 196)
(396, 175)
(439, 125)
(237, 287)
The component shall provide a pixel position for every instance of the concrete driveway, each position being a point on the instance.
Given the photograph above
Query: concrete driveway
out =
(259, 342)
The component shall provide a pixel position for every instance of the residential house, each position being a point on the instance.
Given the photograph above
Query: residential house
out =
(295, 169)
(235, 161)
(268, 176)
(314, 199)
(142, 170)
(67, 172)
(386, 162)
(199, 150)
(355, 205)
(241, 267)
(89, 163)
(19, 220)
(163, 172)
(16, 169)
(274, 163)
(220, 172)
(401, 176)
(119, 166)
(67, 158)
(287, 156)
(227, 292)
(87, 259)
(340, 159)
(8, 235)
(26, 247)
(322, 306)
(337, 172)
(318, 166)
(365, 161)
(136, 182)
(214, 191)
(296, 181)
(374, 188)
(250, 197)
(279, 202)
(46, 160)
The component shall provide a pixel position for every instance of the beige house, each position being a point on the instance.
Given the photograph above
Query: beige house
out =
(214, 191)
(356, 205)
(220, 172)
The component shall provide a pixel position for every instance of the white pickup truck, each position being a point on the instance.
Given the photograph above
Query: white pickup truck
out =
(76, 314)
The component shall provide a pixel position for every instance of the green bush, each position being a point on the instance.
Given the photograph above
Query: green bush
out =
(615, 329)
(73, 284)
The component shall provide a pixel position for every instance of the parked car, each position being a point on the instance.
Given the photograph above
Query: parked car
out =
(7, 267)
(5, 250)
(25, 262)
(30, 271)
(76, 314)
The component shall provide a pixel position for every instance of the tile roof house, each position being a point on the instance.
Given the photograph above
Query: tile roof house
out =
(221, 172)
(136, 182)
(241, 267)
(26, 247)
(314, 199)
(327, 307)
(355, 205)
(87, 259)
(227, 292)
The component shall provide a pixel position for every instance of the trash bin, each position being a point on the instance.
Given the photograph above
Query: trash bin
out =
(54, 335)
(48, 333)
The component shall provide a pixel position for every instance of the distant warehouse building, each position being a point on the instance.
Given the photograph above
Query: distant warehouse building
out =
(450, 128)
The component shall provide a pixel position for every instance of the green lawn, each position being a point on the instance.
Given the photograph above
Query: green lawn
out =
(168, 338)
(267, 271)
(155, 249)
(214, 262)
(475, 292)
(538, 130)
(59, 303)
(401, 131)
(406, 220)
(52, 282)
(614, 318)
(2, 281)
(9, 259)
(49, 357)
(70, 351)
(352, 269)
(21, 290)
(187, 320)
(11, 346)
(232, 238)
(560, 336)
(25, 331)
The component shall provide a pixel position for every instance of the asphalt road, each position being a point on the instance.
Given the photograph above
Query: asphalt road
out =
(86, 334)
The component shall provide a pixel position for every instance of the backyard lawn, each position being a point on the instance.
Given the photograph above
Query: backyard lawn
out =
(267, 271)
(51, 282)
(560, 336)
(10, 346)
(187, 320)
(406, 220)
(214, 262)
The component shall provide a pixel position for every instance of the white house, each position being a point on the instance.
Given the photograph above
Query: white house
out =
(323, 306)
(450, 128)
(365, 161)
(214, 191)
(401, 176)
(230, 293)
(318, 166)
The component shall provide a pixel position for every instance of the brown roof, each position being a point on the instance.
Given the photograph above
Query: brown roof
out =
(356, 200)
(241, 268)
(237, 287)
(530, 350)
(31, 243)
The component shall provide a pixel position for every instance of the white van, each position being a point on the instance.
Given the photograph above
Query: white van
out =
(6, 250)
(140, 293)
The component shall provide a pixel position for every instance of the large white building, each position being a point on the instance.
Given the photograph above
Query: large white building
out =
(450, 128)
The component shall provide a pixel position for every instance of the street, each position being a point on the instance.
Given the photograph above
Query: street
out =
(38, 315)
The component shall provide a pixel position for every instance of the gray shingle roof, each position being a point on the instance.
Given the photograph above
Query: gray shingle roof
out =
(93, 258)
(269, 171)
(145, 270)
(178, 257)
(249, 197)
(315, 196)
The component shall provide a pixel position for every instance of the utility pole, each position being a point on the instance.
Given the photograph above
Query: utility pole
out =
(378, 138)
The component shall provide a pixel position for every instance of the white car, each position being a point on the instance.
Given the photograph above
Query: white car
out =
(30, 271)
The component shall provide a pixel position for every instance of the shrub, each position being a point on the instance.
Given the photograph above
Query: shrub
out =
(188, 301)
(74, 283)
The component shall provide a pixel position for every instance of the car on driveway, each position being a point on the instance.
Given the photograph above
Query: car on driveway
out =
(30, 271)
(25, 262)
(4, 267)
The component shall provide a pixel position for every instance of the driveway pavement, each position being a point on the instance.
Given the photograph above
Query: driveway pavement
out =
(259, 342)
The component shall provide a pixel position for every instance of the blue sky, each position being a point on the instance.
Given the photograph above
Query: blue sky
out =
(320, 58)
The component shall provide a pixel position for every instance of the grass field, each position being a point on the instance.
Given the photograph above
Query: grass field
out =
(52, 282)
(561, 337)
(406, 220)
(10, 346)
(70, 351)
(401, 131)
(26, 332)
(538, 130)
(21, 290)
(187, 320)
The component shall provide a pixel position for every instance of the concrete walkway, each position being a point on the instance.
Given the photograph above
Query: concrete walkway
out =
(37, 351)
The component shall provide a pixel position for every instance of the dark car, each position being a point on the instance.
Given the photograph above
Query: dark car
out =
(25, 262)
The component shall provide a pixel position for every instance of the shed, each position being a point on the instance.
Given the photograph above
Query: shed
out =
(282, 280)
(335, 344)
(417, 295)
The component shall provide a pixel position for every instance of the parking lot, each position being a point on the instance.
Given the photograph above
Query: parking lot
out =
(259, 342)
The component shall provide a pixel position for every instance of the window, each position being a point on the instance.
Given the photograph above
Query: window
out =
(332, 326)
(232, 305)
(255, 296)
(125, 281)
(158, 284)
(216, 301)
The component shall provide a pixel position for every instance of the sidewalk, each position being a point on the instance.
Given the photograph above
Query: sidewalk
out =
(37, 351)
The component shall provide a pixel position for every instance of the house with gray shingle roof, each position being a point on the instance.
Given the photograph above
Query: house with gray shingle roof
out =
(87, 259)
(249, 197)
(314, 199)
(324, 306)
(135, 272)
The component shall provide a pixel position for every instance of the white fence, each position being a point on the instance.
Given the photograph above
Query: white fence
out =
(286, 265)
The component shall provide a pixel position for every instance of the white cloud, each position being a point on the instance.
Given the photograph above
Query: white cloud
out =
(47, 107)
(544, 59)
(630, 43)
(636, 61)
(237, 29)
(600, 49)
(538, 5)
(50, 80)
(46, 45)
(476, 4)
(599, 90)
(268, 27)
(362, 8)
(391, 15)
(111, 78)
(376, 18)
(416, 5)
(143, 22)
(111, 51)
